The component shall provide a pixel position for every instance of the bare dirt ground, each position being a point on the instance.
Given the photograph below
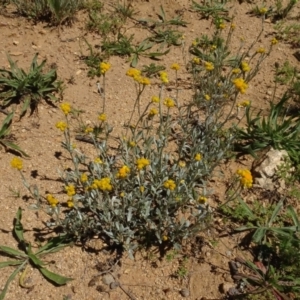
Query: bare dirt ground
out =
(147, 277)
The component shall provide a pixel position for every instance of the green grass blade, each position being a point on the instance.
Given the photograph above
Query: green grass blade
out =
(10, 263)
(53, 277)
(11, 278)
(11, 252)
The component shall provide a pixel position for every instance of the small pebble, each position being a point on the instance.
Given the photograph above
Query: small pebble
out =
(184, 292)
(108, 279)
(114, 285)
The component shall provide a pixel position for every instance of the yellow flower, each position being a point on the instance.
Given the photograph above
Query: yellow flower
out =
(195, 43)
(236, 71)
(123, 172)
(245, 67)
(98, 161)
(243, 103)
(70, 203)
(66, 108)
(153, 112)
(70, 189)
(274, 41)
(222, 26)
(198, 157)
(133, 73)
(142, 189)
(175, 67)
(163, 77)
(142, 80)
(132, 144)
(52, 201)
(104, 67)
(240, 85)
(103, 184)
(170, 184)
(202, 200)
(208, 66)
(89, 129)
(16, 163)
(61, 125)
(246, 179)
(155, 99)
(83, 178)
(196, 60)
(261, 50)
(169, 102)
(207, 97)
(232, 26)
(164, 238)
(213, 47)
(122, 194)
(181, 164)
(102, 117)
(142, 163)
(263, 10)
(74, 146)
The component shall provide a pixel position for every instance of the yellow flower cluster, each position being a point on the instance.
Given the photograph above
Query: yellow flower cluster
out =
(133, 73)
(198, 157)
(123, 172)
(245, 178)
(66, 108)
(17, 163)
(132, 144)
(83, 178)
(236, 71)
(169, 102)
(243, 103)
(70, 189)
(102, 117)
(98, 160)
(142, 163)
(164, 238)
(170, 184)
(89, 130)
(163, 77)
(261, 50)
(245, 67)
(52, 201)
(222, 25)
(104, 67)
(155, 99)
(240, 85)
(274, 41)
(70, 203)
(152, 112)
(202, 200)
(61, 125)
(181, 164)
(207, 97)
(142, 189)
(263, 10)
(103, 184)
(209, 66)
(196, 60)
(175, 67)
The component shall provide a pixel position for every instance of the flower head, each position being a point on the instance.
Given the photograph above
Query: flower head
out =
(155, 99)
(181, 163)
(98, 160)
(209, 66)
(103, 184)
(198, 157)
(142, 163)
(133, 72)
(246, 179)
(142, 189)
(202, 200)
(16, 163)
(152, 112)
(163, 77)
(175, 67)
(132, 144)
(89, 129)
(164, 238)
(70, 189)
(123, 172)
(169, 102)
(170, 184)
(102, 117)
(245, 67)
(196, 60)
(274, 41)
(83, 178)
(263, 10)
(70, 203)
(142, 80)
(261, 50)
(61, 125)
(240, 85)
(104, 67)
(236, 71)
(243, 103)
(52, 201)
(66, 108)
(207, 97)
